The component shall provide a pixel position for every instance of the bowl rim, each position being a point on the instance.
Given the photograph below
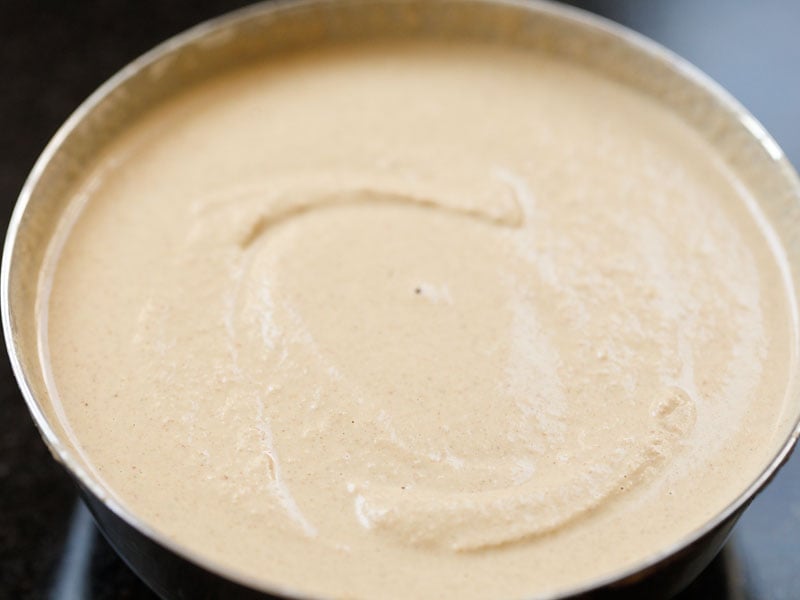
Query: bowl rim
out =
(580, 17)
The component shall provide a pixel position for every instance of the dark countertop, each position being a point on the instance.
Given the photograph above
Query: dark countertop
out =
(54, 53)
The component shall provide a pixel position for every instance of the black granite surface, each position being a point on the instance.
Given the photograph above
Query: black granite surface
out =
(53, 53)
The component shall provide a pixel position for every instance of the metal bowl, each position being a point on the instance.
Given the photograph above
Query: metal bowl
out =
(174, 571)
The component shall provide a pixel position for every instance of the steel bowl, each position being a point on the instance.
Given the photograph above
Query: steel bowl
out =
(266, 29)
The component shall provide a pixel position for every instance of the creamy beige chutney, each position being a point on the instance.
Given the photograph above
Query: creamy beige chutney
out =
(417, 320)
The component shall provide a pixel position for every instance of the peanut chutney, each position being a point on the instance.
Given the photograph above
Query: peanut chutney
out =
(417, 319)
